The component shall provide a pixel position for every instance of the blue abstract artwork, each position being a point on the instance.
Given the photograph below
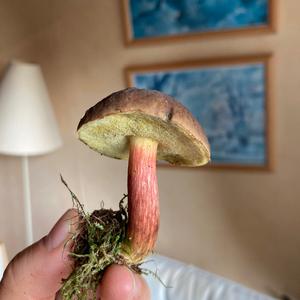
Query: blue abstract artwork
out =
(157, 18)
(228, 101)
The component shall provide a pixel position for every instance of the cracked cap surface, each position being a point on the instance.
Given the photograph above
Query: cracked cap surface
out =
(108, 126)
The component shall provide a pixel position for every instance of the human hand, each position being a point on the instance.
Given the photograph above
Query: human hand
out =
(36, 272)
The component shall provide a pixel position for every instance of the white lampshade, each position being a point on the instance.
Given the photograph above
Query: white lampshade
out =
(3, 259)
(27, 122)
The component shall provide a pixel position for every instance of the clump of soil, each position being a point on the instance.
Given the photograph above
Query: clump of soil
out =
(99, 241)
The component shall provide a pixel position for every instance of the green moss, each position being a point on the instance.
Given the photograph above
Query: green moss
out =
(97, 243)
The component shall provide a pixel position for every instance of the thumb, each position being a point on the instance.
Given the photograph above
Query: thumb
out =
(119, 282)
(37, 271)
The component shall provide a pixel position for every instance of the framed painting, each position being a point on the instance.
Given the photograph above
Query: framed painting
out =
(230, 97)
(149, 21)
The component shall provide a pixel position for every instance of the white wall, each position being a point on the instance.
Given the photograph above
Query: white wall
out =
(242, 225)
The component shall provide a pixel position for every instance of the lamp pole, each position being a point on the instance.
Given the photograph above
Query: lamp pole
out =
(27, 200)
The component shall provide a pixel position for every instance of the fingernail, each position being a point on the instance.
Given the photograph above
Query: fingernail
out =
(133, 282)
(61, 230)
(117, 283)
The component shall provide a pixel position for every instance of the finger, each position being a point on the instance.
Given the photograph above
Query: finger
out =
(119, 282)
(36, 272)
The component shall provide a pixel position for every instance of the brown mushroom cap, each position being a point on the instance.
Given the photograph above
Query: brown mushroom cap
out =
(107, 127)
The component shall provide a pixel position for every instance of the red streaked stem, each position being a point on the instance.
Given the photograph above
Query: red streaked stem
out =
(143, 203)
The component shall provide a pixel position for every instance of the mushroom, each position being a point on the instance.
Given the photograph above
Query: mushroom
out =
(144, 126)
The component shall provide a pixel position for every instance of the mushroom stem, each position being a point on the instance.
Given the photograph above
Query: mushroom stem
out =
(143, 203)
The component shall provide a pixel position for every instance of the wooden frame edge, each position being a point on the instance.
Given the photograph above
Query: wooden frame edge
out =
(125, 12)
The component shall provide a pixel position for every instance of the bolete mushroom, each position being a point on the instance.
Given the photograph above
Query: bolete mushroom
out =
(144, 126)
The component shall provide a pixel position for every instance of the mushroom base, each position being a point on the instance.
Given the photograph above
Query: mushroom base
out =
(98, 243)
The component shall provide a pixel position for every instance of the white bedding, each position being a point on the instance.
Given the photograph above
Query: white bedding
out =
(186, 282)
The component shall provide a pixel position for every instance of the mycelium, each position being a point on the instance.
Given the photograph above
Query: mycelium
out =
(143, 126)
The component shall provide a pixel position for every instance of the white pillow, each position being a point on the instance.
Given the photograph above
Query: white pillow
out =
(186, 282)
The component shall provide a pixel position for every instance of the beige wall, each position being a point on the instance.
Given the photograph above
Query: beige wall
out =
(242, 225)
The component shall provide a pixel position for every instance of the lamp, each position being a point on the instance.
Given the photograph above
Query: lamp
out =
(27, 123)
(3, 259)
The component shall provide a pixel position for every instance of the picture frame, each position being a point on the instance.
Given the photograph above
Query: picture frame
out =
(180, 22)
(231, 98)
